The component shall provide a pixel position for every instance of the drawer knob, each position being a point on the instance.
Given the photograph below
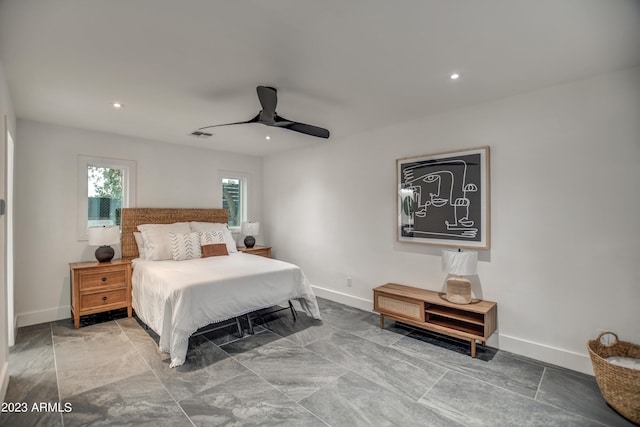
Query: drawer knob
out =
(104, 298)
(104, 279)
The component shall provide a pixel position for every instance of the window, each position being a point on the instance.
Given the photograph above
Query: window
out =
(105, 195)
(106, 185)
(234, 198)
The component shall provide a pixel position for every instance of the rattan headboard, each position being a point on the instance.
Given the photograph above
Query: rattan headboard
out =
(132, 217)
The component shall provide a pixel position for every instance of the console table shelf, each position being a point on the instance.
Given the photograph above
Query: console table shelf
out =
(431, 311)
(455, 314)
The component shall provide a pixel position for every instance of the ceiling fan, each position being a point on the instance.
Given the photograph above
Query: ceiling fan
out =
(267, 116)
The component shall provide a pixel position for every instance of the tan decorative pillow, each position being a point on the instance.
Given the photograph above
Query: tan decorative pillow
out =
(216, 249)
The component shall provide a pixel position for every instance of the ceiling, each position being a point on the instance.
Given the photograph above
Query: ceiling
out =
(346, 65)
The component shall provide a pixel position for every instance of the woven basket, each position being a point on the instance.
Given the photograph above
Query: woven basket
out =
(620, 386)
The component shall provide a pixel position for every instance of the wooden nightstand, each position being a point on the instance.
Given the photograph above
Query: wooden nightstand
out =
(264, 251)
(97, 287)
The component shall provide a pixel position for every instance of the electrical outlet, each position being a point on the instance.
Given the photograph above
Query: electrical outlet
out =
(349, 282)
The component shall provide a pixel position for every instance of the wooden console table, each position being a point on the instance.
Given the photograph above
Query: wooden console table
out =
(431, 311)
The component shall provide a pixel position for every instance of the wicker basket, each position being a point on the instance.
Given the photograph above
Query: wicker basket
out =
(620, 386)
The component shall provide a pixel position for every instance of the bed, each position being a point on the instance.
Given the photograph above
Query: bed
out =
(176, 298)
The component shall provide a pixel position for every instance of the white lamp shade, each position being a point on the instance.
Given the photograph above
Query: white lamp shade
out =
(250, 228)
(104, 236)
(460, 263)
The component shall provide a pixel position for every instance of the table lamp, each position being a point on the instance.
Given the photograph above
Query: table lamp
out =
(250, 229)
(103, 237)
(460, 264)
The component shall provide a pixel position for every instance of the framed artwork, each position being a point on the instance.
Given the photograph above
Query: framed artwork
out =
(443, 199)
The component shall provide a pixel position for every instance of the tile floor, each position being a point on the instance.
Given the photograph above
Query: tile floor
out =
(342, 371)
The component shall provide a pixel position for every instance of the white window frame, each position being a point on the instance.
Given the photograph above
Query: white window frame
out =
(128, 186)
(245, 180)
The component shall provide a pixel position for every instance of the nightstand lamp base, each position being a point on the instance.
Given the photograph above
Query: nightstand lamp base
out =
(459, 290)
(249, 241)
(104, 253)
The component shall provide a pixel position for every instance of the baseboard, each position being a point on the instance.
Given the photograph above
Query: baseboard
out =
(15, 330)
(43, 316)
(4, 380)
(541, 352)
(350, 300)
(544, 353)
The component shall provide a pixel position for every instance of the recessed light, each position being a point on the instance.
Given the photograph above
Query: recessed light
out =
(454, 76)
(117, 105)
(267, 137)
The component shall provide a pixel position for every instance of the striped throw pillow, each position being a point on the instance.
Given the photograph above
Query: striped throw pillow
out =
(185, 246)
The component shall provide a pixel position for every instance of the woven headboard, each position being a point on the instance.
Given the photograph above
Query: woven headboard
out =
(132, 217)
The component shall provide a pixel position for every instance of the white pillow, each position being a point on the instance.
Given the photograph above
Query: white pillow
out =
(216, 226)
(207, 226)
(185, 246)
(140, 242)
(211, 238)
(157, 246)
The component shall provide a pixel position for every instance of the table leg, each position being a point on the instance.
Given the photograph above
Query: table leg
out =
(473, 348)
(382, 321)
(76, 321)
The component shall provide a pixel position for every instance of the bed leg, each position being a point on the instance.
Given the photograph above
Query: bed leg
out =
(250, 329)
(240, 333)
(293, 311)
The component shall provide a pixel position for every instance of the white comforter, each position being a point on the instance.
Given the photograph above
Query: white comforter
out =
(176, 298)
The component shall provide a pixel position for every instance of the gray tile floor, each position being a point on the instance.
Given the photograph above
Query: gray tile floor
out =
(343, 371)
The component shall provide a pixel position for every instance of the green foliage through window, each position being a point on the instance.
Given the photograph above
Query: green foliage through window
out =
(105, 182)
(232, 200)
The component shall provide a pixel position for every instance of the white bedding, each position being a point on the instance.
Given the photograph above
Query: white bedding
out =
(176, 298)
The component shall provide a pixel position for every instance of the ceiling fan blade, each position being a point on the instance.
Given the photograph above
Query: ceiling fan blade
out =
(307, 129)
(268, 97)
(254, 120)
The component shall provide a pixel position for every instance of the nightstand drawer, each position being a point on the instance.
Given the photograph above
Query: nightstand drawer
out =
(264, 251)
(91, 301)
(93, 279)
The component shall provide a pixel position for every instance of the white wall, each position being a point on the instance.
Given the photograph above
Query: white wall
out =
(565, 213)
(7, 120)
(168, 175)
